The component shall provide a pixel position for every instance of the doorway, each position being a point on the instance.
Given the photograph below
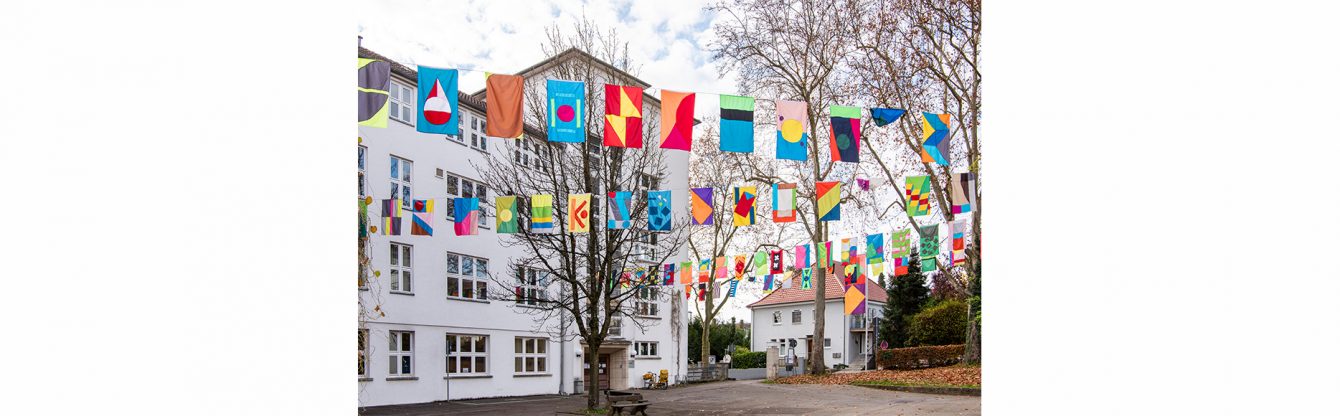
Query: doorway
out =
(603, 372)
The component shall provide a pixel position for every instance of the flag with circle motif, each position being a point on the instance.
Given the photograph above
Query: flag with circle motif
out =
(567, 110)
(845, 132)
(579, 213)
(792, 130)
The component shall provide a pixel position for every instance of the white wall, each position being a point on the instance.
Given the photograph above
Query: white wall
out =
(836, 328)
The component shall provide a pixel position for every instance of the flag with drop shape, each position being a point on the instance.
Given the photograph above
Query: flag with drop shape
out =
(676, 120)
(620, 210)
(658, 210)
(737, 124)
(391, 216)
(579, 213)
(744, 205)
(935, 138)
(963, 192)
(958, 254)
(901, 251)
(502, 105)
(918, 194)
(422, 220)
(874, 253)
(884, 116)
(701, 205)
(805, 275)
(783, 202)
(830, 200)
(542, 214)
(374, 96)
(930, 247)
(567, 110)
(792, 130)
(845, 132)
(623, 116)
(506, 219)
(466, 211)
(437, 101)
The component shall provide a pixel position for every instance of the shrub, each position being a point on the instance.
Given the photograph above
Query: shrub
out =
(946, 323)
(749, 359)
(919, 357)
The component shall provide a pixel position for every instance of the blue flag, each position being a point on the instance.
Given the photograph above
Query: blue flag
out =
(567, 106)
(437, 101)
(884, 116)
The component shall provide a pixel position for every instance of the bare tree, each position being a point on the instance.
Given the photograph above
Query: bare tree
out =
(583, 286)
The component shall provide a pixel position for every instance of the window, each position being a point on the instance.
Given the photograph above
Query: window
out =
(402, 266)
(402, 103)
(467, 277)
(648, 181)
(828, 342)
(530, 285)
(526, 152)
(616, 327)
(467, 354)
(362, 170)
(530, 355)
(777, 318)
(644, 301)
(400, 180)
(795, 316)
(477, 138)
(646, 349)
(362, 353)
(458, 187)
(402, 353)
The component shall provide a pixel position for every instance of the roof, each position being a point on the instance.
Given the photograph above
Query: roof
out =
(832, 291)
(574, 53)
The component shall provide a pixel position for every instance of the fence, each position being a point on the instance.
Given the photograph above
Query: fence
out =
(709, 372)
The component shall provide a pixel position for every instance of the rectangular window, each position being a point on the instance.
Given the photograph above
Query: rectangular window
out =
(467, 277)
(644, 301)
(616, 327)
(402, 103)
(467, 354)
(402, 353)
(362, 353)
(400, 180)
(530, 357)
(777, 318)
(828, 342)
(647, 349)
(795, 316)
(459, 187)
(530, 285)
(362, 170)
(402, 267)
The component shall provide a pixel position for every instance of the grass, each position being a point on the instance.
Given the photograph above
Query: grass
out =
(910, 384)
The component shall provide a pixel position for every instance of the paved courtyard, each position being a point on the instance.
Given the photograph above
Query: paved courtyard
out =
(746, 397)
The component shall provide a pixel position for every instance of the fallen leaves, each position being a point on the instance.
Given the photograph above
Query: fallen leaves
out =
(956, 376)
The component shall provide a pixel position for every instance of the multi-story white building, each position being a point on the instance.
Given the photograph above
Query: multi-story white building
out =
(433, 289)
(787, 315)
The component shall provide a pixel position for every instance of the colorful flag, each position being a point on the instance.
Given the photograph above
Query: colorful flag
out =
(686, 273)
(958, 255)
(688, 291)
(963, 192)
(783, 202)
(874, 253)
(542, 214)
(567, 110)
(422, 221)
(884, 116)
(918, 195)
(739, 266)
(702, 292)
(720, 267)
(901, 251)
(623, 116)
(506, 218)
(737, 124)
(767, 284)
(744, 205)
(658, 210)
(803, 256)
(374, 85)
(822, 257)
(579, 213)
(705, 270)
(787, 280)
(760, 261)
(854, 301)
(805, 275)
(935, 138)
(502, 107)
(620, 210)
(733, 284)
(391, 216)
(793, 127)
(845, 132)
(467, 215)
(930, 246)
(830, 200)
(775, 265)
(669, 273)
(437, 101)
(701, 205)
(676, 120)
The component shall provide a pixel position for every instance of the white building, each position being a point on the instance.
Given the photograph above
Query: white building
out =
(432, 289)
(787, 314)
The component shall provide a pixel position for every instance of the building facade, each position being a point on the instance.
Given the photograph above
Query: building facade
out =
(787, 315)
(442, 335)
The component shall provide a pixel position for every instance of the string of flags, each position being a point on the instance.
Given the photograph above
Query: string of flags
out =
(437, 107)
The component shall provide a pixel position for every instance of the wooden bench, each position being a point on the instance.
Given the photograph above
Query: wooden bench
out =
(621, 401)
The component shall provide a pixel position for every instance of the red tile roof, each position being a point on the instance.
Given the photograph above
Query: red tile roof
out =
(832, 290)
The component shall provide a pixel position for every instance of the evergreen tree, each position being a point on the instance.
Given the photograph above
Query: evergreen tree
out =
(907, 294)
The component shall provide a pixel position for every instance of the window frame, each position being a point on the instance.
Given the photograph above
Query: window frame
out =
(646, 299)
(795, 316)
(461, 184)
(537, 359)
(480, 293)
(362, 170)
(364, 353)
(776, 317)
(402, 179)
(531, 290)
(405, 105)
(454, 355)
(402, 274)
(642, 351)
(396, 349)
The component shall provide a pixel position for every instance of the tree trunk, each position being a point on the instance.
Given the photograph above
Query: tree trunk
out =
(972, 351)
(820, 280)
(706, 341)
(593, 375)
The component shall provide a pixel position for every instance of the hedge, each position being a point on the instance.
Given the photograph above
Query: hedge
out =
(919, 357)
(757, 359)
(946, 323)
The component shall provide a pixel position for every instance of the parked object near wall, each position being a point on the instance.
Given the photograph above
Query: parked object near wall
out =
(919, 357)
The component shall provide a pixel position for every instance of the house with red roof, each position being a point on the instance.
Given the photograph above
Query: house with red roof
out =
(787, 314)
